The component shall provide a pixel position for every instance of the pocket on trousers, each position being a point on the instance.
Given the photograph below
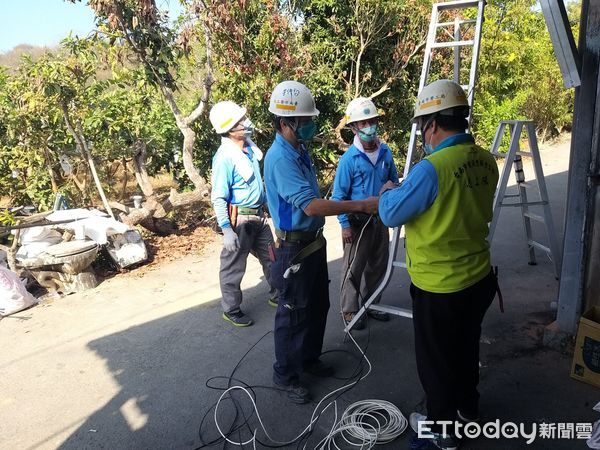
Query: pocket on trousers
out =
(297, 288)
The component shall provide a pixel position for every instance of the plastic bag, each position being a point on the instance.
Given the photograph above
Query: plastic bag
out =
(594, 440)
(13, 295)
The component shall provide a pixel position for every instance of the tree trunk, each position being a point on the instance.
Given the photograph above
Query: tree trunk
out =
(50, 170)
(85, 152)
(125, 180)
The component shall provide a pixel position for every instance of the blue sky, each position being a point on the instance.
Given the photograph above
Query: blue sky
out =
(46, 22)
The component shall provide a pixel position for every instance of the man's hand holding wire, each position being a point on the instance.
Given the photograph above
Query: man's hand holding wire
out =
(370, 205)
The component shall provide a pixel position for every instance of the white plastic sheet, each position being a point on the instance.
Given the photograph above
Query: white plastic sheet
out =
(594, 440)
(92, 224)
(13, 295)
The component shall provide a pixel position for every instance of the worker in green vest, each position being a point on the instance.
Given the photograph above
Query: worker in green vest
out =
(445, 204)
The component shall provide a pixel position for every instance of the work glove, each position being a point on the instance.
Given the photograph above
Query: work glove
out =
(230, 240)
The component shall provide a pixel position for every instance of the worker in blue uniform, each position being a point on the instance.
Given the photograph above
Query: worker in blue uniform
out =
(362, 170)
(445, 205)
(238, 196)
(299, 268)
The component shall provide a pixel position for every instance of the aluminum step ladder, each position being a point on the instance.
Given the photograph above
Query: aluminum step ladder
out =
(441, 35)
(513, 158)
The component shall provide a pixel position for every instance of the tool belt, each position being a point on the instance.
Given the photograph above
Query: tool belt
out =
(243, 211)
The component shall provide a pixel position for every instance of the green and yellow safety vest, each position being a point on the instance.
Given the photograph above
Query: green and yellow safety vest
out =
(446, 246)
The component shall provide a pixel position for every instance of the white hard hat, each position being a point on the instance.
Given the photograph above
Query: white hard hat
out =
(224, 115)
(439, 96)
(361, 108)
(292, 99)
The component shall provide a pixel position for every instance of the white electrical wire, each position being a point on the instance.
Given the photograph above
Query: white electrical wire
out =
(363, 424)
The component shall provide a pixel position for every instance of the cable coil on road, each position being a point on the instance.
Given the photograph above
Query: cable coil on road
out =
(365, 424)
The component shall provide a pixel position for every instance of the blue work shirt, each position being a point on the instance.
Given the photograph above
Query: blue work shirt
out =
(236, 179)
(291, 182)
(357, 178)
(419, 189)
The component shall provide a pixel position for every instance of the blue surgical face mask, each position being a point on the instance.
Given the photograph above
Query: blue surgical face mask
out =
(368, 134)
(306, 132)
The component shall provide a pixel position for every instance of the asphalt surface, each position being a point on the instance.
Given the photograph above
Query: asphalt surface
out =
(132, 363)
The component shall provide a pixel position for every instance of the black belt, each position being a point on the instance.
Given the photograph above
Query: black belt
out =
(298, 237)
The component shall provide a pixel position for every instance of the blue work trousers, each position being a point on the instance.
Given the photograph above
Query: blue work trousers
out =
(302, 312)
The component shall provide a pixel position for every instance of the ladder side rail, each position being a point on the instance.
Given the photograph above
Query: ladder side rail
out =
(498, 140)
(549, 221)
(503, 182)
(428, 46)
(456, 51)
(412, 147)
(475, 56)
(520, 178)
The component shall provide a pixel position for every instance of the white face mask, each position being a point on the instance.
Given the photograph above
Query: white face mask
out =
(248, 127)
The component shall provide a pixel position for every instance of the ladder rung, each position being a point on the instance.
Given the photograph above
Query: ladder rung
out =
(511, 195)
(459, 4)
(392, 310)
(460, 22)
(451, 44)
(516, 122)
(536, 244)
(399, 264)
(535, 217)
(522, 204)
(504, 155)
(526, 184)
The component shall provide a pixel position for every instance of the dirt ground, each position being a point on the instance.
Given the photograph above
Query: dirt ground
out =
(128, 364)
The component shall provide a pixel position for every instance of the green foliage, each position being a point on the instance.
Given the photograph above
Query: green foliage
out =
(518, 74)
(339, 48)
(7, 218)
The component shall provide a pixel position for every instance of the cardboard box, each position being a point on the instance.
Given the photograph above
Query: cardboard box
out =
(586, 358)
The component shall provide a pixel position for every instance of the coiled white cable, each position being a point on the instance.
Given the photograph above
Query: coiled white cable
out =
(365, 424)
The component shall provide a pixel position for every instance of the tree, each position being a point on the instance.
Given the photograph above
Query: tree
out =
(159, 49)
(518, 74)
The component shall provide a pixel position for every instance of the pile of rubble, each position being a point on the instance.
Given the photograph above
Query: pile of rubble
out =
(57, 252)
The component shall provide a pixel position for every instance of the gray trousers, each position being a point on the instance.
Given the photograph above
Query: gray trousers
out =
(370, 261)
(255, 236)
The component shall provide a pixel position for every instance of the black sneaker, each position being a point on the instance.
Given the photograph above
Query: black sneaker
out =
(319, 369)
(378, 315)
(435, 442)
(466, 417)
(273, 301)
(237, 318)
(296, 392)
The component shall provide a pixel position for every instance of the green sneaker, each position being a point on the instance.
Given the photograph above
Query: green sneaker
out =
(237, 318)
(273, 301)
